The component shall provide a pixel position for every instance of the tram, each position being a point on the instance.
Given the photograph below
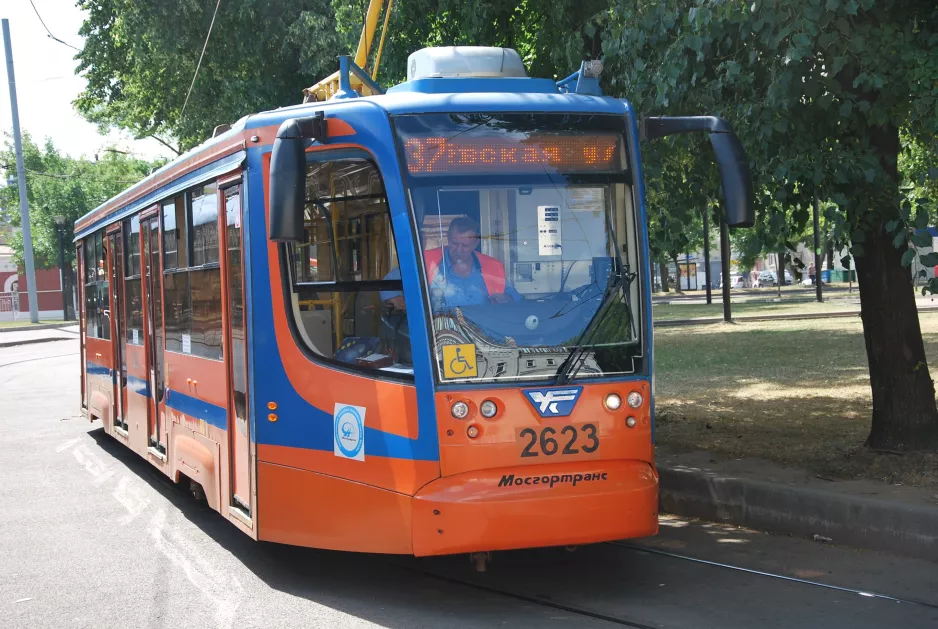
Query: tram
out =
(415, 321)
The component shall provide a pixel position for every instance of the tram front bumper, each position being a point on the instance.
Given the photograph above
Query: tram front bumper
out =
(540, 505)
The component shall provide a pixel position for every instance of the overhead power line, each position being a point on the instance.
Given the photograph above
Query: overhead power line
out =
(198, 65)
(43, 22)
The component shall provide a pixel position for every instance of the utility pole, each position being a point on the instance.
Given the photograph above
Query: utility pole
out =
(725, 259)
(63, 273)
(21, 177)
(706, 218)
(817, 250)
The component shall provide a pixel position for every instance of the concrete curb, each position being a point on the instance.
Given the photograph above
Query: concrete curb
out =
(857, 521)
(43, 326)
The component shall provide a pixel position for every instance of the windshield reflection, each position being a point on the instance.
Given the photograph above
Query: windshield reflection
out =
(518, 264)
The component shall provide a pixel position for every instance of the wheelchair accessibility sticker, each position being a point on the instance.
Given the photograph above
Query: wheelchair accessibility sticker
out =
(459, 361)
(349, 432)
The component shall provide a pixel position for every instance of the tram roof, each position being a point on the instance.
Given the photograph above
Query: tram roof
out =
(421, 96)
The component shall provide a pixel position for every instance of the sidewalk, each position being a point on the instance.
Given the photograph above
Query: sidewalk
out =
(11, 337)
(761, 495)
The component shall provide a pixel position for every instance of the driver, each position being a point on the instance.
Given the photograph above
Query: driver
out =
(458, 275)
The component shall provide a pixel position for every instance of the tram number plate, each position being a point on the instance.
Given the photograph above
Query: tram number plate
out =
(572, 439)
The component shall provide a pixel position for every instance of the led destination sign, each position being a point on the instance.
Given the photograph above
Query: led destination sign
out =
(578, 153)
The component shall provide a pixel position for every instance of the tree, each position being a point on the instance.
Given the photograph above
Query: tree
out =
(679, 188)
(822, 93)
(139, 59)
(60, 185)
(552, 36)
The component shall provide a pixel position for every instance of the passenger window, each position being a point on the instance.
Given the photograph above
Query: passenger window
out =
(204, 225)
(97, 303)
(175, 229)
(347, 295)
(133, 293)
(192, 291)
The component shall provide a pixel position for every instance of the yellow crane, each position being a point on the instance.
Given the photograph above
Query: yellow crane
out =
(326, 88)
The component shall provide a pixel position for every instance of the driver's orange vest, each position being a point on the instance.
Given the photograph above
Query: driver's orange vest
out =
(493, 271)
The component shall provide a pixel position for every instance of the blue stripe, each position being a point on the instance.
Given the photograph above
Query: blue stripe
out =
(199, 409)
(138, 385)
(94, 369)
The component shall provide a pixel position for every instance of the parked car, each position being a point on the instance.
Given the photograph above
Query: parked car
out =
(736, 281)
(769, 278)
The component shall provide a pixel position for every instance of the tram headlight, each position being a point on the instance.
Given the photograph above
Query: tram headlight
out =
(488, 408)
(460, 410)
(472, 432)
(613, 401)
(630, 422)
(635, 399)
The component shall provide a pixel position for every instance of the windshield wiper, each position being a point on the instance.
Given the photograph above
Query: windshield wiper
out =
(572, 363)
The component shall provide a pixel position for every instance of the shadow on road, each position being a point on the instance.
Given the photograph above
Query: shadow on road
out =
(391, 591)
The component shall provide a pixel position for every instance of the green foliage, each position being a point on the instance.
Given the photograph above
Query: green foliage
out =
(552, 36)
(816, 89)
(805, 82)
(60, 185)
(681, 185)
(139, 59)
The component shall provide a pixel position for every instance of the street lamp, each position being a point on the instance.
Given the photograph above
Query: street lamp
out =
(60, 229)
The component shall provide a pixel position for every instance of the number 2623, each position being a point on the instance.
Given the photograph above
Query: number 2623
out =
(566, 440)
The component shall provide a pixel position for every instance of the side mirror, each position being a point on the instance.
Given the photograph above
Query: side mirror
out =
(288, 176)
(735, 177)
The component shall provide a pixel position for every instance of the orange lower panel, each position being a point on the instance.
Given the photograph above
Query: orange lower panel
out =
(578, 503)
(305, 508)
(402, 476)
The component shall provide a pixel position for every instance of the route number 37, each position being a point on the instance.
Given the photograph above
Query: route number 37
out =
(549, 441)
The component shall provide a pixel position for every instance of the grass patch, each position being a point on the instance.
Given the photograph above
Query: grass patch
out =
(793, 392)
(6, 325)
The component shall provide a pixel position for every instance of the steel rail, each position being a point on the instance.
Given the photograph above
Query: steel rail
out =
(527, 598)
(772, 575)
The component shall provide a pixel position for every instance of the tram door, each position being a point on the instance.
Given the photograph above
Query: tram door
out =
(82, 319)
(153, 283)
(118, 338)
(239, 434)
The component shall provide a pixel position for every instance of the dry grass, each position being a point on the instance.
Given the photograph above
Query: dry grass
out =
(794, 392)
(697, 311)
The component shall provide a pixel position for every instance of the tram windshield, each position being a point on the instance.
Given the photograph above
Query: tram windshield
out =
(530, 244)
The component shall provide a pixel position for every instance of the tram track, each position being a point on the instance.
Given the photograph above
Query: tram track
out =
(771, 575)
(620, 621)
(624, 621)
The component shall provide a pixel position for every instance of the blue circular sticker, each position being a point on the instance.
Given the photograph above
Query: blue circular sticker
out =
(349, 431)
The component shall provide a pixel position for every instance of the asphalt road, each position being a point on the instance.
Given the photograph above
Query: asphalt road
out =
(91, 536)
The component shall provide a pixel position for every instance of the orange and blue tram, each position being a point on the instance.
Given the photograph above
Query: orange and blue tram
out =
(413, 322)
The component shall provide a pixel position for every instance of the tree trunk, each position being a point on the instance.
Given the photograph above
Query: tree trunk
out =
(677, 275)
(779, 271)
(663, 269)
(904, 412)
